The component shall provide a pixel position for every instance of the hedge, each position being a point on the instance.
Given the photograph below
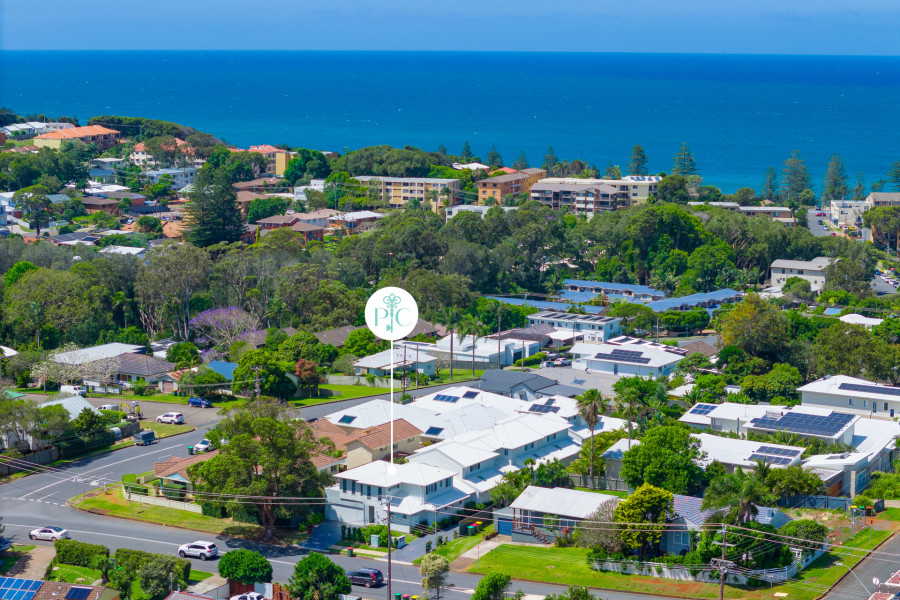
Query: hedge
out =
(534, 359)
(79, 554)
(80, 445)
(130, 561)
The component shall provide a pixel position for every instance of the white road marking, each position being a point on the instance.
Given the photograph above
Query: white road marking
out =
(76, 480)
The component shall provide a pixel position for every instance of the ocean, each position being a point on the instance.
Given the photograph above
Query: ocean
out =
(738, 113)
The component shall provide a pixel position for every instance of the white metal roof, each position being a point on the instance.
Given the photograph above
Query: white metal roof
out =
(817, 264)
(561, 501)
(855, 319)
(655, 357)
(86, 355)
(401, 358)
(831, 385)
(73, 405)
(379, 473)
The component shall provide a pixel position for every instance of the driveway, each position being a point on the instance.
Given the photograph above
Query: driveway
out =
(323, 536)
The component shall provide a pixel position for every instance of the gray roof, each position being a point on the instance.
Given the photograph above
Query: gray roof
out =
(86, 355)
(535, 333)
(561, 389)
(501, 382)
(144, 365)
(689, 508)
(337, 337)
(73, 405)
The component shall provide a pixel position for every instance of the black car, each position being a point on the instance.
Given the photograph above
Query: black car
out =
(366, 577)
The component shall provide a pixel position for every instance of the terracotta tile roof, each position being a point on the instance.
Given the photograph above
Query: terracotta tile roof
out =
(179, 464)
(323, 428)
(266, 149)
(278, 219)
(376, 437)
(75, 132)
(256, 182)
(320, 461)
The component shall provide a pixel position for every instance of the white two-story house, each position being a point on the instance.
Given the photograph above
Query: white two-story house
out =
(587, 328)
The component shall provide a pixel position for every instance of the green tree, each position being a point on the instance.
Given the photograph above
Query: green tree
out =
(261, 208)
(17, 271)
(756, 327)
(783, 380)
(521, 161)
(634, 395)
(88, 421)
(362, 342)
(35, 206)
(673, 188)
(466, 153)
(317, 578)
(449, 316)
(893, 175)
(835, 186)
(643, 516)
(591, 406)
(492, 586)
(258, 373)
(245, 566)
(213, 213)
(665, 458)
(149, 224)
(551, 161)
(434, 569)
(737, 496)
(638, 163)
(493, 158)
(183, 354)
(684, 162)
(268, 457)
(770, 188)
(159, 574)
(796, 178)
(859, 190)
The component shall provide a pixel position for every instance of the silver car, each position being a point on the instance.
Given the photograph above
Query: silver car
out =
(48, 533)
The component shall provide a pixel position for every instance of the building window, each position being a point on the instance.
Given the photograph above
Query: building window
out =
(849, 401)
(865, 403)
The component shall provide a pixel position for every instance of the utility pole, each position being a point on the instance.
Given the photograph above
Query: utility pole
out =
(256, 381)
(390, 545)
(499, 345)
(722, 565)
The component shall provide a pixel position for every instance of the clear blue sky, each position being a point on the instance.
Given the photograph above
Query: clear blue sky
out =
(706, 26)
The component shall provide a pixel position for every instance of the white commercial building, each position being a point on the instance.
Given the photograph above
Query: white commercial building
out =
(627, 356)
(811, 270)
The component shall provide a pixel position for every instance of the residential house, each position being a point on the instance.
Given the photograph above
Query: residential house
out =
(103, 138)
(729, 206)
(337, 336)
(702, 346)
(138, 253)
(583, 198)
(522, 385)
(353, 221)
(478, 209)
(375, 443)
(318, 218)
(74, 405)
(691, 517)
(260, 185)
(417, 493)
(294, 223)
(398, 192)
(782, 214)
(55, 590)
(180, 177)
(627, 356)
(501, 186)
(76, 238)
(812, 271)
(855, 319)
(590, 328)
(632, 189)
(883, 199)
(93, 204)
(245, 197)
(544, 335)
(548, 513)
(708, 300)
(472, 166)
(173, 472)
(402, 358)
(134, 198)
(852, 395)
(103, 351)
(133, 367)
(20, 131)
(489, 353)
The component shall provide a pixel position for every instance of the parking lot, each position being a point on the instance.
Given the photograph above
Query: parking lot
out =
(201, 418)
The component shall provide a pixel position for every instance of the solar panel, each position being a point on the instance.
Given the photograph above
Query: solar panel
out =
(12, 588)
(772, 451)
(703, 409)
(347, 419)
(775, 460)
(543, 408)
(619, 356)
(434, 431)
(78, 593)
(873, 389)
(470, 394)
(817, 425)
(446, 398)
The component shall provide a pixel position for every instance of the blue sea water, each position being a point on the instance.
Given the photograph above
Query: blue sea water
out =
(739, 114)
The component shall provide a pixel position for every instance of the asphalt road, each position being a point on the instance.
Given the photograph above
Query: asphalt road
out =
(813, 221)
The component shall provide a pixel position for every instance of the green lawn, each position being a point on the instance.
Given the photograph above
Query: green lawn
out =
(458, 375)
(12, 556)
(891, 514)
(113, 503)
(607, 492)
(164, 430)
(73, 574)
(456, 548)
(198, 576)
(168, 398)
(569, 566)
(344, 392)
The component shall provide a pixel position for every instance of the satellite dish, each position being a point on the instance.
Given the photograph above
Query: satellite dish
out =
(876, 581)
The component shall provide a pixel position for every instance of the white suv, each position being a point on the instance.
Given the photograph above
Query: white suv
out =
(176, 418)
(202, 550)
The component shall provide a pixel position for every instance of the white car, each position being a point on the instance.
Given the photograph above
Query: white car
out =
(175, 418)
(48, 533)
(249, 596)
(107, 407)
(203, 446)
(200, 549)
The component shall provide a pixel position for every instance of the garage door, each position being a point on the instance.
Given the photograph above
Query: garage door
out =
(504, 527)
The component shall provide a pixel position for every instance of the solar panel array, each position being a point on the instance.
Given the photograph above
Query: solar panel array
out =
(446, 398)
(625, 356)
(818, 425)
(78, 593)
(543, 408)
(12, 588)
(773, 460)
(872, 389)
(470, 394)
(772, 451)
(703, 409)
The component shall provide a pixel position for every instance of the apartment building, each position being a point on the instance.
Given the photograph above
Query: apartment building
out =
(272, 155)
(516, 183)
(643, 293)
(399, 191)
(180, 177)
(781, 214)
(847, 213)
(102, 137)
(883, 199)
(576, 197)
(632, 189)
(588, 328)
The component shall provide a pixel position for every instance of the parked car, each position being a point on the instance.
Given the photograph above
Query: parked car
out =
(249, 596)
(175, 418)
(200, 549)
(202, 446)
(366, 577)
(547, 363)
(48, 533)
(563, 362)
(201, 402)
(833, 234)
(78, 390)
(108, 407)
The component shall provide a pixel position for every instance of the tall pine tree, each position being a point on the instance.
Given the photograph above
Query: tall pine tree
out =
(638, 163)
(493, 158)
(466, 151)
(796, 178)
(859, 190)
(835, 186)
(550, 160)
(521, 161)
(770, 188)
(213, 213)
(684, 162)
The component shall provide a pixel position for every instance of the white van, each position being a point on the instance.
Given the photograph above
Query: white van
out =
(78, 390)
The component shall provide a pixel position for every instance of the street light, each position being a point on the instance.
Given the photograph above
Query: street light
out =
(840, 564)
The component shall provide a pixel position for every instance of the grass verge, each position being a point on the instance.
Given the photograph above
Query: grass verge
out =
(12, 556)
(164, 430)
(73, 574)
(114, 504)
(568, 566)
(890, 514)
(456, 548)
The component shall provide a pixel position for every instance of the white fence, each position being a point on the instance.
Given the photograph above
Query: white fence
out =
(161, 501)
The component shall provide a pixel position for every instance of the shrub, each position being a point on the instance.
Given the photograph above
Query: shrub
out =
(79, 554)
(112, 417)
(245, 566)
(428, 547)
(130, 562)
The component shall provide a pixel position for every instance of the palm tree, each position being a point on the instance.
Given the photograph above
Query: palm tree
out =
(630, 406)
(450, 317)
(470, 325)
(762, 470)
(591, 405)
(737, 496)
